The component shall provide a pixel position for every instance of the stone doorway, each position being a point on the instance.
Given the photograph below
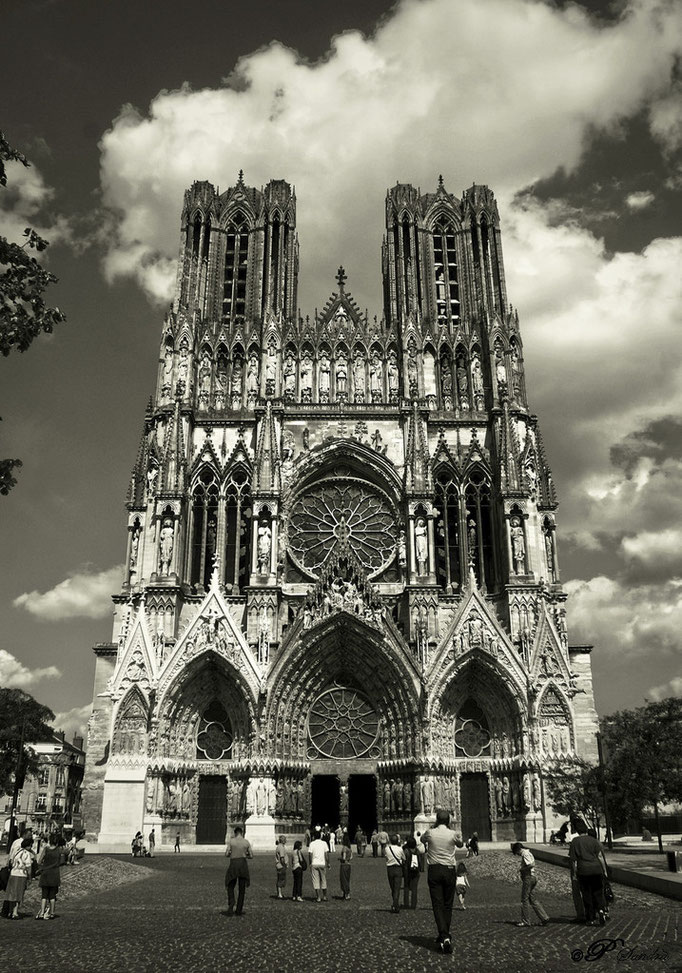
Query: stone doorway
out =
(362, 804)
(212, 816)
(325, 800)
(474, 795)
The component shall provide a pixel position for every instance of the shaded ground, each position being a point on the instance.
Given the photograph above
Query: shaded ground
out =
(171, 918)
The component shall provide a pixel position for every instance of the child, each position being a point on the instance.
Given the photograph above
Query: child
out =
(461, 884)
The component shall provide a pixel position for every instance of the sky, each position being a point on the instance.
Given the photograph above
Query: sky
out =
(570, 112)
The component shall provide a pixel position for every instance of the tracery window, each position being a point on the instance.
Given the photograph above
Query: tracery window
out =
(204, 527)
(346, 513)
(472, 731)
(237, 529)
(214, 733)
(479, 528)
(448, 548)
(445, 263)
(236, 263)
(342, 724)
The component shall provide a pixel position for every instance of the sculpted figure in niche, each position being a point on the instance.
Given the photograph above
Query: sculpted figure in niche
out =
(412, 370)
(166, 538)
(134, 546)
(427, 795)
(549, 553)
(264, 548)
(306, 378)
(261, 797)
(516, 794)
(402, 550)
(251, 802)
(518, 546)
(376, 377)
(220, 385)
(359, 376)
(516, 372)
(183, 366)
(152, 474)
(499, 803)
(500, 367)
(237, 382)
(462, 385)
(421, 545)
(289, 372)
(341, 374)
(407, 797)
(204, 377)
(477, 380)
(537, 793)
(167, 376)
(393, 376)
(446, 383)
(252, 378)
(527, 792)
(324, 377)
(387, 797)
(271, 370)
(506, 795)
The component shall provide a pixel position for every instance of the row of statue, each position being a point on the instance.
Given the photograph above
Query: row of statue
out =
(169, 796)
(519, 795)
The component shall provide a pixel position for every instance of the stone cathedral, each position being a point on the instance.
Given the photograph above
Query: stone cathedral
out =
(342, 600)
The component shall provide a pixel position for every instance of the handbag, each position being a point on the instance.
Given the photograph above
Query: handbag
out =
(4, 877)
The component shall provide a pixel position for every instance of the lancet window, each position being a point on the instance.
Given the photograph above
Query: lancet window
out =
(204, 528)
(237, 530)
(236, 262)
(448, 532)
(479, 528)
(445, 264)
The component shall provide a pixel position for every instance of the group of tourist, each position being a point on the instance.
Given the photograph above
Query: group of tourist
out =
(28, 859)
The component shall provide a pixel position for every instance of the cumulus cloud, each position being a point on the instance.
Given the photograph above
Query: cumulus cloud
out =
(15, 675)
(74, 720)
(639, 200)
(25, 202)
(518, 99)
(665, 119)
(672, 688)
(81, 595)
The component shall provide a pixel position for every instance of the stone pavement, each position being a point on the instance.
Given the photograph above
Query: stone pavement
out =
(171, 918)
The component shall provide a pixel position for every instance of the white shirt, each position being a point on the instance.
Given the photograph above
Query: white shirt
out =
(318, 852)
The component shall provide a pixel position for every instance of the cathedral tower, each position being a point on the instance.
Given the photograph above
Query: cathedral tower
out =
(342, 598)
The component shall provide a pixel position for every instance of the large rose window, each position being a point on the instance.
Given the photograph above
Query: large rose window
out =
(342, 514)
(342, 724)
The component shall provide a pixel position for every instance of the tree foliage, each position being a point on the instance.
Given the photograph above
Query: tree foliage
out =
(573, 790)
(643, 748)
(23, 282)
(18, 709)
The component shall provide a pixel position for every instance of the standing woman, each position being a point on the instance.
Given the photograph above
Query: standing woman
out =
(281, 865)
(395, 859)
(529, 881)
(345, 858)
(411, 873)
(238, 850)
(49, 860)
(19, 876)
(298, 866)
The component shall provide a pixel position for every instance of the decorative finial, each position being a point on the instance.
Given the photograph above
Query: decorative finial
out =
(341, 279)
(440, 182)
(240, 180)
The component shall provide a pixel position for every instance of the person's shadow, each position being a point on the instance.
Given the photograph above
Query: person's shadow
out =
(423, 942)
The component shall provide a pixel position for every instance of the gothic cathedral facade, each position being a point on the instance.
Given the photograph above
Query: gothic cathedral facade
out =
(342, 599)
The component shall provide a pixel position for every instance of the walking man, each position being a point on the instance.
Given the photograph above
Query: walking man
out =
(152, 843)
(441, 844)
(319, 863)
(238, 850)
(177, 843)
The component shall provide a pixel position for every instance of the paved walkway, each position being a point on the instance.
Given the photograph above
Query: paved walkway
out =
(168, 914)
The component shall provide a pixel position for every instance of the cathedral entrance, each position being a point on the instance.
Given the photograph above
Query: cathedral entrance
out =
(325, 800)
(212, 816)
(362, 804)
(475, 805)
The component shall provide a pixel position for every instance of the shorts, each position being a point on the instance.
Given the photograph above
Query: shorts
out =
(281, 877)
(49, 891)
(461, 890)
(318, 873)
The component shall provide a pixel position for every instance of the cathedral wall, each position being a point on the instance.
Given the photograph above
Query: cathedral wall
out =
(99, 739)
(586, 720)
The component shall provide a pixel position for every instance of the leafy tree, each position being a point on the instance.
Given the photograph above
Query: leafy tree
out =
(643, 748)
(23, 281)
(574, 790)
(18, 709)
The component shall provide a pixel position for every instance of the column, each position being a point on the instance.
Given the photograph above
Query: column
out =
(432, 548)
(273, 545)
(412, 564)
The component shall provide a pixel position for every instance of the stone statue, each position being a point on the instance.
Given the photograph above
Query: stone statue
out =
(237, 378)
(421, 545)
(359, 377)
(376, 378)
(251, 789)
(134, 546)
(306, 439)
(271, 370)
(518, 546)
(446, 383)
(252, 378)
(515, 794)
(407, 797)
(537, 793)
(270, 796)
(264, 548)
(166, 538)
(261, 797)
(506, 795)
(477, 380)
(393, 376)
(516, 371)
(341, 374)
(167, 376)
(427, 795)
(306, 378)
(152, 474)
(475, 630)
(499, 803)
(387, 797)
(402, 550)
(549, 553)
(472, 537)
(500, 367)
(324, 376)
(527, 792)
(205, 376)
(289, 373)
(183, 366)
(462, 386)
(412, 370)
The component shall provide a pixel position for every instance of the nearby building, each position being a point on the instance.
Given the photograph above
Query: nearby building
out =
(342, 598)
(52, 797)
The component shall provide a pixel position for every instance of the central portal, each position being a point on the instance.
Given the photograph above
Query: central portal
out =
(362, 804)
(326, 800)
(475, 806)
(212, 817)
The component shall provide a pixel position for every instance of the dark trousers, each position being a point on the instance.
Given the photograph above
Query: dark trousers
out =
(344, 877)
(592, 891)
(240, 898)
(394, 874)
(577, 899)
(441, 879)
(375, 849)
(297, 875)
(411, 888)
